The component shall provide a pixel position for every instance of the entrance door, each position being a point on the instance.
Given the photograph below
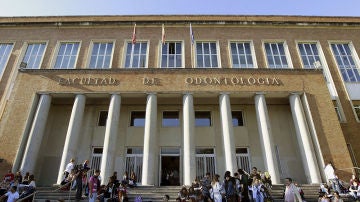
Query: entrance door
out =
(134, 161)
(170, 164)
(205, 162)
(96, 158)
(243, 159)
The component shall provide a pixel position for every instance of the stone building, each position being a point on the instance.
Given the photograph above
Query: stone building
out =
(174, 97)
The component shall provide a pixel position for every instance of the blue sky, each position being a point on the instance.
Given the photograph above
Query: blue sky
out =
(165, 7)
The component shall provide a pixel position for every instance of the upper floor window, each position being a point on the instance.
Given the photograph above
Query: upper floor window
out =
(137, 118)
(66, 56)
(101, 55)
(202, 118)
(102, 118)
(357, 111)
(170, 119)
(276, 55)
(5, 51)
(237, 118)
(171, 55)
(206, 55)
(309, 55)
(136, 55)
(33, 55)
(241, 56)
(346, 62)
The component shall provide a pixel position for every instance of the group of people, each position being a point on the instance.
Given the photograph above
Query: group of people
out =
(15, 186)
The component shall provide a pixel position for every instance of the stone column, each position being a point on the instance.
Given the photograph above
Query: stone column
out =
(305, 143)
(227, 133)
(72, 134)
(266, 142)
(189, 166)
(36, 134)
(111, 131)
(150, 141)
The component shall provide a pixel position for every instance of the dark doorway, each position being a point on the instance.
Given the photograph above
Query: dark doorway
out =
(170, 171)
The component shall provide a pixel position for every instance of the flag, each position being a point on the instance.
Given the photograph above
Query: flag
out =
(191, 35)
(163, 35)
(133, 38)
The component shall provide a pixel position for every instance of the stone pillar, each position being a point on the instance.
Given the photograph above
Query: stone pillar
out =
(72, 134)
(227, 133)
(305, 143)
(188, 145)
(111, 131)
(150, 141)
(36, 134)
(266, 142)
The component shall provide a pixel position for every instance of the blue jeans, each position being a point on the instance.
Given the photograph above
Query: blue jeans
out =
(93, 198)
(335, 185)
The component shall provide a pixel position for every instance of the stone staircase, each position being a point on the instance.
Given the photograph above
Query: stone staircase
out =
(155, 194)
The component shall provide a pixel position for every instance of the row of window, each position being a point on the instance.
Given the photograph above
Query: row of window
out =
(172, 55)
(172, 118)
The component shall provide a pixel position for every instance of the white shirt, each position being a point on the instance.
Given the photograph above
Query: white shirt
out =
(12, 197)
(329, 172)
(69, 167)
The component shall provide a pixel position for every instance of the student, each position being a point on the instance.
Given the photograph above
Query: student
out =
(12, 195)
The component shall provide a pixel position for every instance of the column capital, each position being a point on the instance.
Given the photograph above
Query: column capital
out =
(260, 93)
(224, 93)
(295, 93)
(114, 93)
(151, 93)
(188, 93)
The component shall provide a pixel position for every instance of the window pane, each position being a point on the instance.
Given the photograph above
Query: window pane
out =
(237, 118)
(33, 55)
(5, 51)
(137, 118)
(170, 118)
(345, 62)
(206, 54)
(276, 55)
(202, 118)
(100, 54)
(102, 118)
(136, 55)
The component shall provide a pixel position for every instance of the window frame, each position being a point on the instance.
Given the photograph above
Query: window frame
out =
(162, 118)
(91, 47)
(56, 53)
(355, 104)
(286, 50)
(354, 56)
(125, 53)
(182, 53)
(99, 115)
(217, 53)
(211, 118)
(130, 118)
(24, 49)
(252, 51)
(6, 62)
(242, 116)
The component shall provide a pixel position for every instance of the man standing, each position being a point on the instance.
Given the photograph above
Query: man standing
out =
(291, 191)
(94, 186)
(12, 195)
(331, 177)
(205, 186)
(69, 167)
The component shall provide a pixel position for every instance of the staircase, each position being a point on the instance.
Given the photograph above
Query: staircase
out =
(155, 194)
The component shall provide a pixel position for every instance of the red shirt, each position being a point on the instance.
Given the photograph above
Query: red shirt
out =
(9, 177)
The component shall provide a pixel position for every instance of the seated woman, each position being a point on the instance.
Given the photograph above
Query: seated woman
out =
(132, 180)
(355, 190)
(28, 189)
(183, 195)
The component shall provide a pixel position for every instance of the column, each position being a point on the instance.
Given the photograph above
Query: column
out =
(150, 141)
(36, 134)
(72, 134)
(189, 167)
(227, 132)
(305, 143)
(266, 142)
(111, 130)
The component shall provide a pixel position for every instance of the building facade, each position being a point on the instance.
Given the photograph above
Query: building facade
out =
(174, 97)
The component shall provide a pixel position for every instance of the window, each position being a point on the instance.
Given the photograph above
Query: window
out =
(33, 55)
(241, 56)
(137, 118)
(206, 55)
(338, 110)
(237, 118)
(170, 119)
(136, 55)
(101, 55)
(171, 55)
(346, 62)
(357, 111)
(102, 118)
(202, 118)
(275, 55)
(309, 55)
(5, 50)
(243, 158)
(66, 56)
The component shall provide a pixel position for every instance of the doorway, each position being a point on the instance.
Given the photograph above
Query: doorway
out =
(170, 167)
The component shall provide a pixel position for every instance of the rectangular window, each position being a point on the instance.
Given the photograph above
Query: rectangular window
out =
(206, 55)
(346, 62)
(66, 56)
(241, 56)
(137, 118)
(102, 118)
(101, 55)
(5, 51)
(136, 55)
(243, 158)
(202, 118)
(33, 55)
(171, 55)
(237, 118)
(357, 111)
(275, 55)
(309, 55)
(170, 119)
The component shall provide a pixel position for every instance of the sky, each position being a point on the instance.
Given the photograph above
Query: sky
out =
(179, 7)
